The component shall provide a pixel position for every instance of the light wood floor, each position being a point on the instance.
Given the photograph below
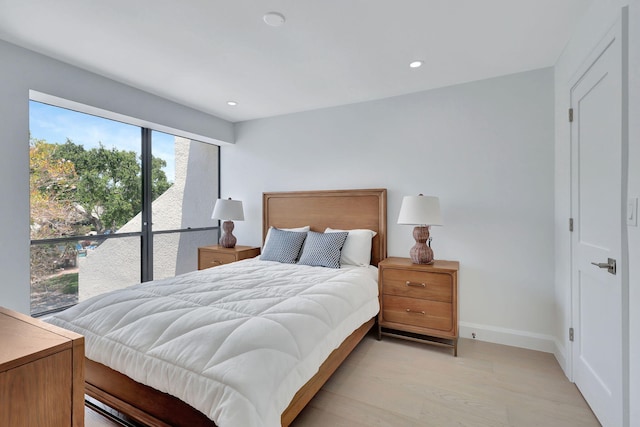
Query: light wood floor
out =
(393, 383)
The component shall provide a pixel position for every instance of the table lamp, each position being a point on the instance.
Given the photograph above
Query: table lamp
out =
(423, 212)
(228, 210)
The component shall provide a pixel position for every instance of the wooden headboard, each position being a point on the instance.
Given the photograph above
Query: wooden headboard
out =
(341, 209)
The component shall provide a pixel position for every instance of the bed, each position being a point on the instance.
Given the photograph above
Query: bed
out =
(339, 209)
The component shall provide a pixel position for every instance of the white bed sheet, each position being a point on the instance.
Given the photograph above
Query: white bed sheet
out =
(237, 341)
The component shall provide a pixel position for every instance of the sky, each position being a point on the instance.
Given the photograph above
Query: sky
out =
(55, 125)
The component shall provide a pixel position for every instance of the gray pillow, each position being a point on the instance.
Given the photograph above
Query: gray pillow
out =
(323, 249)
(283, 246)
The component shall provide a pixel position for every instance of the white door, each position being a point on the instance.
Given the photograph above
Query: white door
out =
(596, 181)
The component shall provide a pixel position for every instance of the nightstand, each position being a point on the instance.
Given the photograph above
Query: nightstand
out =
(419, 302)
(213, 256)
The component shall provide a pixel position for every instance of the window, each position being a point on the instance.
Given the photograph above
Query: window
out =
(177, 231)
(107, 200)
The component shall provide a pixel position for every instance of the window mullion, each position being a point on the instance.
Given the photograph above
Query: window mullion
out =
(147, 238)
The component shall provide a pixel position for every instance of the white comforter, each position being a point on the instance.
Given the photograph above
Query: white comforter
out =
(235, 342)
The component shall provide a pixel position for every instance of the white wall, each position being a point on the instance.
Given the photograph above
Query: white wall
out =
(22, 71)
(485, 148)
(597, 21)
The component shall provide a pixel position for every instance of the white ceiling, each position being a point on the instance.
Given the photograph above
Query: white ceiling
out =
(203, 53)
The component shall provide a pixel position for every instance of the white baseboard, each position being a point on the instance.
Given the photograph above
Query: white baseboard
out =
(512, 337)
(560, 351)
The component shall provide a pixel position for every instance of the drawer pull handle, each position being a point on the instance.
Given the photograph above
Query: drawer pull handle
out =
(416, 312)
(216, 262)
(420, 285)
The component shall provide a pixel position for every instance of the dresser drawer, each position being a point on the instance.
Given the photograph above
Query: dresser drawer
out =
(417, 284)
(417, 312)
(214, 259)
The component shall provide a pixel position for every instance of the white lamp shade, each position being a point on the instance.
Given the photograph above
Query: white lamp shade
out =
(228, 210)
(420, 210)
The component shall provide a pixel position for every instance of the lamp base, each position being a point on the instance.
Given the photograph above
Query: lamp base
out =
(228, 240)
(421, 253)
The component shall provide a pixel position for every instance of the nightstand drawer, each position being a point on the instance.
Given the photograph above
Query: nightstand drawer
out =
(418, 284)
(417, 312)
(213, 256)
(214, 259)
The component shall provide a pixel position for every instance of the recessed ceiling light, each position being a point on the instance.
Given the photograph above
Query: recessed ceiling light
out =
(274, 19)
(415, 64)
(232, 103)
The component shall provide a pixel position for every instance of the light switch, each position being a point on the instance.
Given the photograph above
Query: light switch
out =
(632, 211)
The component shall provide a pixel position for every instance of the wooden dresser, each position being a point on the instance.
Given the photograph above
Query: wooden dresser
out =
(41, 373)
(213, 256)
(419, 302)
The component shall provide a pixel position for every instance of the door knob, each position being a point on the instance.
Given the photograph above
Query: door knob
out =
(610, 265)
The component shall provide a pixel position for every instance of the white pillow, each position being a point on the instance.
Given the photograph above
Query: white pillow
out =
(299, 229)
(357, 247)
